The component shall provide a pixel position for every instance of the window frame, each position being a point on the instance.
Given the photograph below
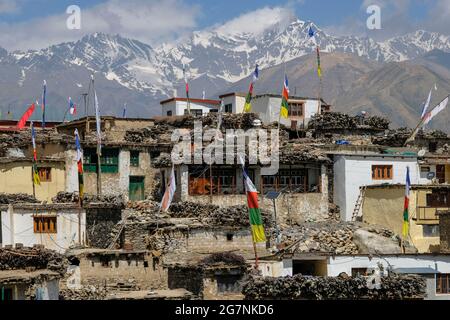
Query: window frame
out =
(228, 108)
(134, 159)
(442, 278)
(295, 109)
(382, 172)
(45, 224)
(47, 177)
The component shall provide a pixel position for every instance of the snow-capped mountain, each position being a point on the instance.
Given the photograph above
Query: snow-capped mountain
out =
(215, 57)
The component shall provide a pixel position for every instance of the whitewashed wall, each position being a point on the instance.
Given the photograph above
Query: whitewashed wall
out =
(353, 171)
(17, 227)
(178, 107)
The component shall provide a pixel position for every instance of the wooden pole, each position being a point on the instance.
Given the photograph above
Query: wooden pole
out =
(256, 254)
(99, 164)
(79, 217)
(32, 180)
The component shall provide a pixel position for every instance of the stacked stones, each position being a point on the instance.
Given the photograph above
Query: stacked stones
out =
(85, 293)
(321, 237)
(336, 288)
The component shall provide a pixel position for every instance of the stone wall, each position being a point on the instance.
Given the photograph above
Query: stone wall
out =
(118, 183)
(99, 225)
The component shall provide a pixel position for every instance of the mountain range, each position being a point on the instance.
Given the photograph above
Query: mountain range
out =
(390, 77)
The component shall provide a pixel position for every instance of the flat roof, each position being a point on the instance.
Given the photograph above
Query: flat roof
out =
(238, 94)
(369, 154)
(92, 118)
(207, 101)
(21, 275)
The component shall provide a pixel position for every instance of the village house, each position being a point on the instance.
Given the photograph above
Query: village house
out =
(356, 169)
(435, 268)
(125, 165)
(114, 269)
(27, 274)
(53, 226)
(56, 163)
(179, 106)
(383, 205)
(267, 106)
(302, 182)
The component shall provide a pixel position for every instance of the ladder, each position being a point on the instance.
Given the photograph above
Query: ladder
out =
(359, 203)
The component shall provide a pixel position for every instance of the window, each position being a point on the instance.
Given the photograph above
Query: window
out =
(134, 158)
(443, 283)
(195, 112)
(440, 173)
(298, 180)
(438, 199)
(229, 108)
(382, 172)
(425, 169)
(229, 236)
(109, 160)
(430, 230)
(169, 113)
(295, 109)
(45, 174)
(89, 160)
(44, 224)
(223, 180)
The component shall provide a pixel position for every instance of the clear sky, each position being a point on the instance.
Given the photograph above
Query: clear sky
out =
(37, 23)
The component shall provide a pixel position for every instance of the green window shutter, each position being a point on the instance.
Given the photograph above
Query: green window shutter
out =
(110, 160)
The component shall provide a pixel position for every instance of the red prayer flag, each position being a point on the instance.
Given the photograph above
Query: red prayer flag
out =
(25, 117)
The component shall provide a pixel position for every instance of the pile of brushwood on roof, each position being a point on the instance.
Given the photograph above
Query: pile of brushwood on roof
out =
(397, 137)
(162, 130)
(393, 287)
(34, 258)
(72, 197)
(291, 153)
(208, 214)
(393, 138)
(11, 198)
(214, 215)
(337, 120)
(22, 138)
(223, 258)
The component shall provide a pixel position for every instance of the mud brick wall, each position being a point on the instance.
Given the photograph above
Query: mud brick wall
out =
(138, 271)
(99, 224)
(444, 231)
